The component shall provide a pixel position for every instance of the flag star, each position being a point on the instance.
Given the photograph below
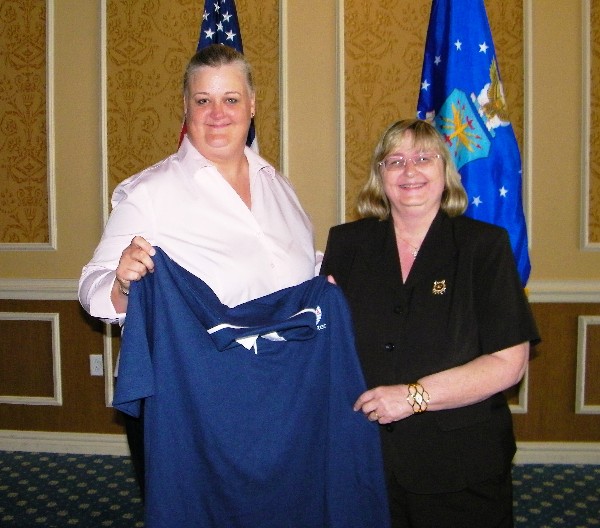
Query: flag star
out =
(477, 201)
(230, 35)
(483, 48)
(437, 60)
(226, 16)
(220, 26)
(205, 16)
(217, 7)
(425, 85)
(209, 33)
(458, 44)
(503, 191)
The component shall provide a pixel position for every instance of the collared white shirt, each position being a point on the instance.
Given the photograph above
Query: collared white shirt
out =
(183, 205)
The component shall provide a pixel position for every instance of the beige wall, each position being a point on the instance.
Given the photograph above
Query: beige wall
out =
(313, 153)
(312, 150)
(556, 139)
(74, 112)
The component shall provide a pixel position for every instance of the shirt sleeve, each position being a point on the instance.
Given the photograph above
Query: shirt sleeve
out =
(502, 308)
(318, 262)
(95, 286)
(130, 217)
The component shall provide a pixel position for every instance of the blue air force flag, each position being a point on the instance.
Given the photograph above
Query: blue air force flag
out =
(462, 94)
(220, 26)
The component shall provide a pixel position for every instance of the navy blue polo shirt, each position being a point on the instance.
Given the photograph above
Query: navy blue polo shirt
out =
(248, 418)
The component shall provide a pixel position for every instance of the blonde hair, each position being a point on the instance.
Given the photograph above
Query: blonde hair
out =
(372, 200)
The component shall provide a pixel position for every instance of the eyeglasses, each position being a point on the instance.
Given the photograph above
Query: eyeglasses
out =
(399, 163)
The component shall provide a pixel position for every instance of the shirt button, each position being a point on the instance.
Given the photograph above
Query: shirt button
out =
(398, 309)
(389, 347)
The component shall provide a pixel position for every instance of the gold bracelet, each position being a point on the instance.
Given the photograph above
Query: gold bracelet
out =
(417, 398)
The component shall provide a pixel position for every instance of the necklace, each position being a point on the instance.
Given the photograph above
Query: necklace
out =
(415, 249)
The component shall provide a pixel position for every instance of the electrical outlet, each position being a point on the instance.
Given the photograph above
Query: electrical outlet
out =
(96, 365)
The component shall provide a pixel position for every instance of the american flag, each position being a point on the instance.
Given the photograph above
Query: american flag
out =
(462, 93)
(220, 25)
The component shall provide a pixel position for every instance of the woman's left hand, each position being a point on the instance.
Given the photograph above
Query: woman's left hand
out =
(478, 379)
(384, 404)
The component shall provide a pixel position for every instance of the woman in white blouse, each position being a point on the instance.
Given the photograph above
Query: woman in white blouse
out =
(215, 207)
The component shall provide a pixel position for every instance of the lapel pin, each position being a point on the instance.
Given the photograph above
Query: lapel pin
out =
(439, 287)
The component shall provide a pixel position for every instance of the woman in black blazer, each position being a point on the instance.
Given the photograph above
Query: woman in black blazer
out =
(442, 328)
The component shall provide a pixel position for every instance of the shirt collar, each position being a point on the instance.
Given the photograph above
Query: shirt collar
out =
(188, 154)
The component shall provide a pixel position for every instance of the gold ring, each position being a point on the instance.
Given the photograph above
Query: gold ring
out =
(376, 415)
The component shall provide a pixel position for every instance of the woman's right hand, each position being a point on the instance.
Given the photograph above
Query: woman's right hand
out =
(135, 262)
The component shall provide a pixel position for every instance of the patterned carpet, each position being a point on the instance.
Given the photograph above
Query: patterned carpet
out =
(55, 490)
(549, 496)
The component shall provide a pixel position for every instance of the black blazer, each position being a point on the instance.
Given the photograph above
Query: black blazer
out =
(463, 298)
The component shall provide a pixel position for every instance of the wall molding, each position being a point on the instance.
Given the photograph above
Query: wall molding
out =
(522, 405)
(583, 321)
(586, 121)
(558, 453)
(341, 111)
(52, 220)
(568, 291)
(109, 371)
(104, 110)
(527, 154)
(39, 289)
(57, 397)
(50, 146)
(576, 291)
(76, 443)
(116, 444)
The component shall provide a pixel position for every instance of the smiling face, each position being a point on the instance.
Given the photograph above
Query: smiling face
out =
(219, 106)
(414, 188)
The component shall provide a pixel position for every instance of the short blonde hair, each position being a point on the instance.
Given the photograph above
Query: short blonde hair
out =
(372, 200)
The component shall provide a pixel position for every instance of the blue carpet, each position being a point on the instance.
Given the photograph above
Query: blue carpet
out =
(549, 496)
(57, 490)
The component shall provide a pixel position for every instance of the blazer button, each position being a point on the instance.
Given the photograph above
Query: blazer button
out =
(389, 347)
(398, 309)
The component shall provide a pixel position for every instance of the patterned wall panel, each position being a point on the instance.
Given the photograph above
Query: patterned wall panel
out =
(148, 46)
(594, 126)
(23, 138)
(384, 44)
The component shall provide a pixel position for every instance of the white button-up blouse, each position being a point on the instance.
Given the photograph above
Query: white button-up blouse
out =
(183, 205)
